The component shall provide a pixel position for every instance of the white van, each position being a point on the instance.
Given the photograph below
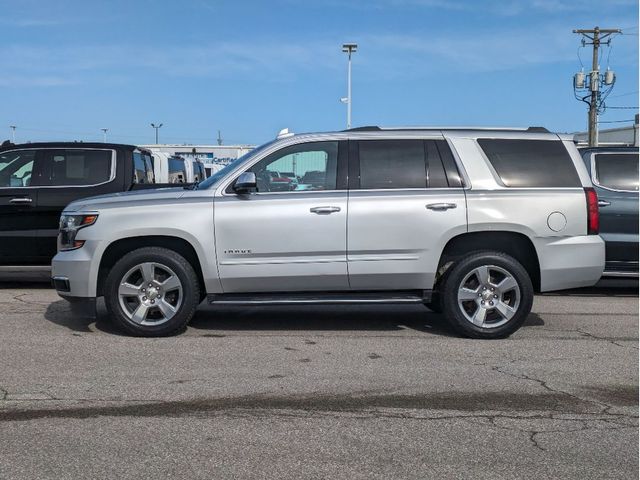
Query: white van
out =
(170, 168)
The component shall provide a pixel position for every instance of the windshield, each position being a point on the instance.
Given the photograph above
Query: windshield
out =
(220, 174)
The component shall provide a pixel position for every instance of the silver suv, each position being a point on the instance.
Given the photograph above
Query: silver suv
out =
(470, 222)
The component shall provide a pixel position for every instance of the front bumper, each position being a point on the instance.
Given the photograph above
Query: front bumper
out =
(570, 262)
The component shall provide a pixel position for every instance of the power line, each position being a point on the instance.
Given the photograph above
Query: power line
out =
(618, 121)
(624, 108)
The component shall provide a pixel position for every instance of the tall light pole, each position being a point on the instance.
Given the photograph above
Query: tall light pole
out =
(13, 133)
(157, 127)
(349, 48)
(104, 134)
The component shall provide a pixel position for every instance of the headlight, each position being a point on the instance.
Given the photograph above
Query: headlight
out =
(69, 226)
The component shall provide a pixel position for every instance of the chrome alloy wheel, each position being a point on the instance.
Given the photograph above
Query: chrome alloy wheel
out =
(150, 293)
(489, 296)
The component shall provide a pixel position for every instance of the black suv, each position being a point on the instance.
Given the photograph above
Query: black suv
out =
(614, 173)
(37, 180)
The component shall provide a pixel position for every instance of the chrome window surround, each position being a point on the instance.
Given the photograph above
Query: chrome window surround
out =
(308, 138)
(112, 175)
(594, 174)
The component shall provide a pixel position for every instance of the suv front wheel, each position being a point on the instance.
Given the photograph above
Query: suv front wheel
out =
(487, 295)
(152, 292)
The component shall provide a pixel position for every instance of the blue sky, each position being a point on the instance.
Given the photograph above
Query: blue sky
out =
(250, 68)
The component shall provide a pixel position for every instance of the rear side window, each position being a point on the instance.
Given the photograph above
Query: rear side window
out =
(617, 171)
(74, 167)
(392, 164)
(531, 163)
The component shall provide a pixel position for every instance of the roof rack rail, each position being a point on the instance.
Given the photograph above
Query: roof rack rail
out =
(374, 128)
(369, 128)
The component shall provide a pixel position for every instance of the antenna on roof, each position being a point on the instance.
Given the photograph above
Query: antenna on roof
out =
(284, 133)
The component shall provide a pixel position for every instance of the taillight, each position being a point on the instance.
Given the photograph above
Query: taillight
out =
(593, 216)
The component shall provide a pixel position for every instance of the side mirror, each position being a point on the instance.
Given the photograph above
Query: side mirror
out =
(246, 183)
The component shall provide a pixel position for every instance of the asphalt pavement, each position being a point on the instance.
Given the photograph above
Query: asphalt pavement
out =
(320, 392)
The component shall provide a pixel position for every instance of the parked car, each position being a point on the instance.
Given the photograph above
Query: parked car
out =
(37, 180)
(614, 173)
(470, 222)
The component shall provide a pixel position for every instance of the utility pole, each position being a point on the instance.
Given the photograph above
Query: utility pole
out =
(157, 127)
(104, 134)
(595, 37)
(13, 133)
(349, 48)
(219, 138)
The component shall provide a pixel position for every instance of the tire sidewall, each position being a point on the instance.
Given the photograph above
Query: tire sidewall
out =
(457, 274)
(183, 270)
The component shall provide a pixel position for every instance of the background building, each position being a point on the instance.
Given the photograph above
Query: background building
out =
(207, 154)
(627, 135)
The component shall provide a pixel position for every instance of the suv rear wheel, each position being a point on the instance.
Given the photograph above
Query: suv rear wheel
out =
(152, 292)
(487, 295)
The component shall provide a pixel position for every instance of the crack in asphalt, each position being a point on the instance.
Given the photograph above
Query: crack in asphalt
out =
(610, 340)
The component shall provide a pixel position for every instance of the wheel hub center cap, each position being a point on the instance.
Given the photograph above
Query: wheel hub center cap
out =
(152, 293)
(487, 296)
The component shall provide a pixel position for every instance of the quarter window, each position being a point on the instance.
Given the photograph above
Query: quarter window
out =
(16, 168)
(74, 167)
(531, 163)
(617, 171)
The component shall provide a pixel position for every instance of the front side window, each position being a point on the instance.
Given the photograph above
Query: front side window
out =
(617, 171)
(388, 164)
(74, 167)
(16, 168)
(305, 167)
(531, 163)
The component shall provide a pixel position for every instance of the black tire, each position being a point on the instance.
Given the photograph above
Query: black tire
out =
(189, 295)
(495, 325)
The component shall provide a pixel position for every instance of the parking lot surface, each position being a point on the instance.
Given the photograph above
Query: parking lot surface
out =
(320, 392)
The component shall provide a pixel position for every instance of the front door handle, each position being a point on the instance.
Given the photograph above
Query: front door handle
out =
(603, 203)
(21, 201)
(324, 210)
(439, 207)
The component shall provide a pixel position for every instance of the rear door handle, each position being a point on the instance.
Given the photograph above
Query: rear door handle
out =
(603, 203)
(21, 201)
(439, 207)
(324, 210)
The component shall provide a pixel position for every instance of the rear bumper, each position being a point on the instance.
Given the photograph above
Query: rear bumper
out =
(570, 262)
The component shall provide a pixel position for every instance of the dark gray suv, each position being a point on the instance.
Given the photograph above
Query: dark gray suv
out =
(614, 173)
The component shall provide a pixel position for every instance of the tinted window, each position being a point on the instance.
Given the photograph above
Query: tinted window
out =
(392, 164)
(531, 163)
(618, 171)
(313, 165)
(74, 167)
(139, 169)
(148, 161)
(16, 168)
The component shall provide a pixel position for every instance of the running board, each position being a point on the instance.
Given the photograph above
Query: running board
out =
(617, 274)
(320, 298)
